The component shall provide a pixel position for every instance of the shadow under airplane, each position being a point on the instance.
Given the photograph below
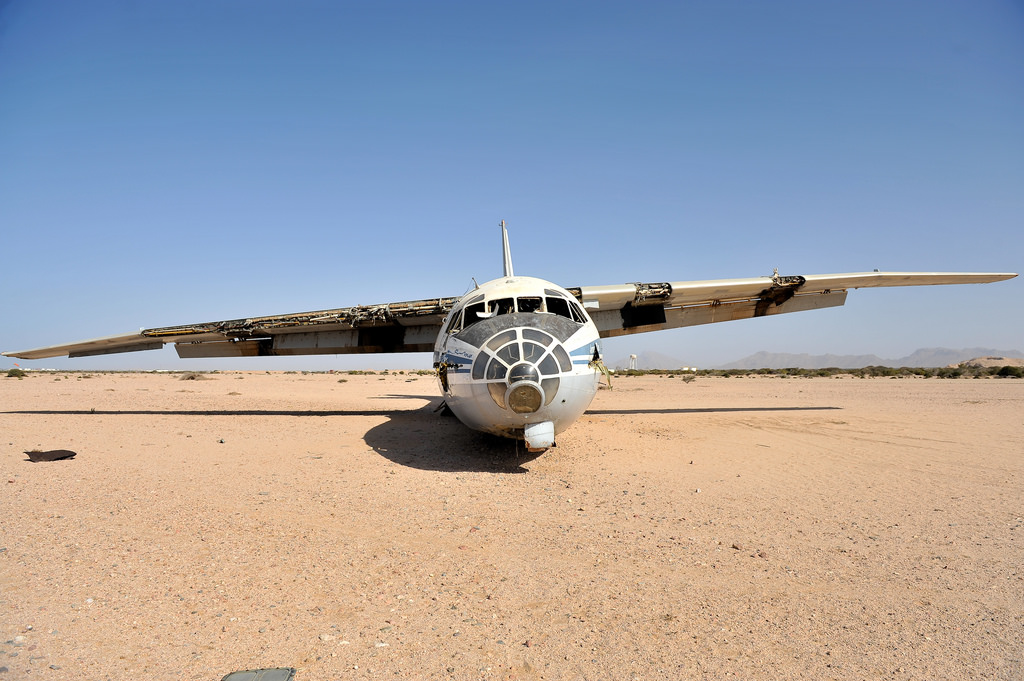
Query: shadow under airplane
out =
(419, 438)
(705, 410)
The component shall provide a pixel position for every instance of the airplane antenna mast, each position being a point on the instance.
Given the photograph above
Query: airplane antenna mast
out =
(505, 250)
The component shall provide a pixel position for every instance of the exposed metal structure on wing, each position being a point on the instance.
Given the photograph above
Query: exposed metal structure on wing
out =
(624, 309)
(616, 310)
(395, 327)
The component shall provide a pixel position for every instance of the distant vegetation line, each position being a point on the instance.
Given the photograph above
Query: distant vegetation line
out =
(688, 375)
(863, 372)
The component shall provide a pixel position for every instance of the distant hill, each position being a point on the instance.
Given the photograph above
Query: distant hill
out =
(925, 357)
(993, 362)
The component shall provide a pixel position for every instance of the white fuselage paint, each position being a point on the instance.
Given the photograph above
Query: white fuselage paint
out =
(516, 353)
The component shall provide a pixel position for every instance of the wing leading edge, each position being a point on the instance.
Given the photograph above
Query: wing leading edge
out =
(394, 327)
(624, 309)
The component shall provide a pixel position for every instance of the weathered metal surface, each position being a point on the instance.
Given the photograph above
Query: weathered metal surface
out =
(681, 293)
(105, 345)
(781, 290)
(609, 322)
(115, 349)
(413, 313)
(651, 292)
(412, 327)
(539, 436)
(247, 348)
(402, 327)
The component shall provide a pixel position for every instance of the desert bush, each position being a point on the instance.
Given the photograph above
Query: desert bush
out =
(15, 373)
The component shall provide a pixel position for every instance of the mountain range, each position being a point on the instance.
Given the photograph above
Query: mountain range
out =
(924, 357)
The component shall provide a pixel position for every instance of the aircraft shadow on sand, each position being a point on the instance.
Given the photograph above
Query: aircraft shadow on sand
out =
(418, 438)
(703, 410)
(421, 438)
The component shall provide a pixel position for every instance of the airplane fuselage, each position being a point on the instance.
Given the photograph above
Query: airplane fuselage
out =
(516, 357)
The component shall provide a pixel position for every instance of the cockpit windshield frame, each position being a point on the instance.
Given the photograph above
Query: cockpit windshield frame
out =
(552, 302)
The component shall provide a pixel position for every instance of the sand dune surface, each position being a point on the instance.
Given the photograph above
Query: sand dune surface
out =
(823, 528)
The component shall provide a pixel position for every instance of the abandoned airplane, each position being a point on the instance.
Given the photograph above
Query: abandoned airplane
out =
(517, 356)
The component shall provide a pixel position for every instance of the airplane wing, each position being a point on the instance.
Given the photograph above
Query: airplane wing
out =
(394, 327)
(624, 309)
(617, 310)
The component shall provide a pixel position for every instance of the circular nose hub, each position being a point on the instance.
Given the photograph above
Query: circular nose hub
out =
(525, 398)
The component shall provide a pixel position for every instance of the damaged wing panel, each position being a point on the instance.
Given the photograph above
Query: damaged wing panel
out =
(636, 308)
(415, 313)
(611, 323)
(384, 339)
(395, 327)
(683, 293)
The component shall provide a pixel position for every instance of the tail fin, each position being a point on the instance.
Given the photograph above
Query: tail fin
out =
(505, 250)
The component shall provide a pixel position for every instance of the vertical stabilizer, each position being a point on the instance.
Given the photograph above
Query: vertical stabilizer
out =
(505, 250)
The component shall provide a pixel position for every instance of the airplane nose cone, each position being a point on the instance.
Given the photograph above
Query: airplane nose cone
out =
(521, 366)
(525, 398)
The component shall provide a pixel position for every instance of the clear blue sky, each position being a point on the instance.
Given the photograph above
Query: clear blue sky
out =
(173, 162)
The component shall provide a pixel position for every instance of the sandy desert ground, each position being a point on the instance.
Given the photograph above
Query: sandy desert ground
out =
(730, 527)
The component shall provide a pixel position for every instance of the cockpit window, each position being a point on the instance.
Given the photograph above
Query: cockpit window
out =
(559, 306)
(474, 313)
(455, 324)
(503, 306)
(578, 315)
(553, 302)
(564, 307)
(469, 314)
(530, 304)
